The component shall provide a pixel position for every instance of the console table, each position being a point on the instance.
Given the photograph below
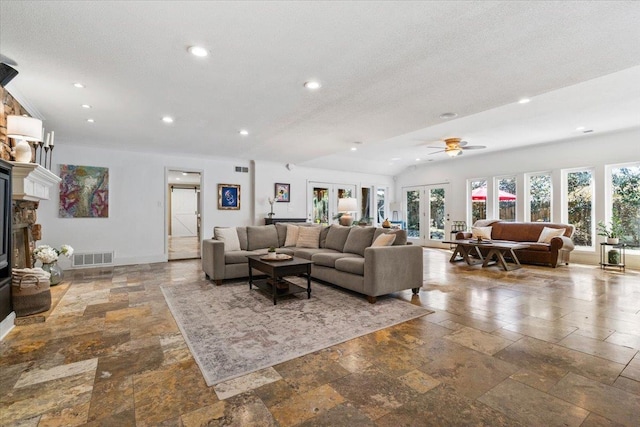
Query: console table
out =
(269, 221)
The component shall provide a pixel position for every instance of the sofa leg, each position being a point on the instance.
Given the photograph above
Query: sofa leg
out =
(218, 282)
(372, 300)
(415, 290)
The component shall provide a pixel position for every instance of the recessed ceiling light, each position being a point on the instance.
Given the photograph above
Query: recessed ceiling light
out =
(580, 128)
(78, 85)
(312, 85)
(418, 159)
(177, 179)
(167, 119)
(198, 51)
(91, 120)
(244, 132)
(446, 116)
(524, 101)
(354, 149)
(393, 159)
(184, 174)
(86, 106)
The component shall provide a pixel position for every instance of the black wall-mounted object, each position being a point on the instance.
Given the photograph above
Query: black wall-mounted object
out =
(5, 239)
(7, 74)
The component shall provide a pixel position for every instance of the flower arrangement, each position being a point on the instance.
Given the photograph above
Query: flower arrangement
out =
(271, 201)
(46, 254)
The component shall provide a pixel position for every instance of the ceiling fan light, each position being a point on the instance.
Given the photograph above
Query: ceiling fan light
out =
(453, 152)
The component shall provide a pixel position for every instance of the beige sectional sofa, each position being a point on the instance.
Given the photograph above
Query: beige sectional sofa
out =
(342, 256)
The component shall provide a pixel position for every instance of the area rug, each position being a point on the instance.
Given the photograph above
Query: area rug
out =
(232, 331)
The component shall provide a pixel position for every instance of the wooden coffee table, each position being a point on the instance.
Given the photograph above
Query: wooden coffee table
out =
(275, 285)
(466, 248)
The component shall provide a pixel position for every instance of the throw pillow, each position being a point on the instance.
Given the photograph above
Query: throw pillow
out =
(384, 240)
(308, 237)
(358, 240)
(336, 237)
(292, 235)
(484, 232)
(229, 236)
(549, 233)
(261, 236)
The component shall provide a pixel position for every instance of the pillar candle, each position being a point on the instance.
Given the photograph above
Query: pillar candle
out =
(52, 136)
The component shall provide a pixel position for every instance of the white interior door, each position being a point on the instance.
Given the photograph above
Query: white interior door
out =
(184, 212)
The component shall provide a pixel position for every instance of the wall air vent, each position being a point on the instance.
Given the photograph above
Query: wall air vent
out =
(242, 169)
(92, 259)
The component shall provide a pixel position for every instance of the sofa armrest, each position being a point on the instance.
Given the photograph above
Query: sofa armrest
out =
(213, 259)
(562, 243)
(463, 235)
(392, 268)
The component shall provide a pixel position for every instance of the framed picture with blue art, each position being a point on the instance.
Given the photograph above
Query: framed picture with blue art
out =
(229, 196)
(283, 192)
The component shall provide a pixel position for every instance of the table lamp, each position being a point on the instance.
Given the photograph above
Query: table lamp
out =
(347, 205)
(23, 129)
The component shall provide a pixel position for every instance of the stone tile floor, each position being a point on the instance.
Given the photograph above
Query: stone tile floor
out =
(536, 346)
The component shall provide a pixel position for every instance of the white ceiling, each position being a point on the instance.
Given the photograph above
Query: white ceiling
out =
(388, 70)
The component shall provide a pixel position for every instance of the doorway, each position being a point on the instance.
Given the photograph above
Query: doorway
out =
(184, 217)
(427, 214)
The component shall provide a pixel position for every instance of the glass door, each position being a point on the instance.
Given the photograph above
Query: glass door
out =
(427, 214)
(323, 203)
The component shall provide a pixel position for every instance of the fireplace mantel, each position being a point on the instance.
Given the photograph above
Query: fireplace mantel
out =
(32, 182)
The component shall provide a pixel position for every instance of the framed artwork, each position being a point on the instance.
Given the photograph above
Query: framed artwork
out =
(229, 196)
(84, 192)
(283, 192)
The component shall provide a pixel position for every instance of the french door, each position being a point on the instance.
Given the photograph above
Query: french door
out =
(323, 200)
(427, 215)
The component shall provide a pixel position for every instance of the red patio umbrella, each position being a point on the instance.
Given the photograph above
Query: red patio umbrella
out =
(481, 194)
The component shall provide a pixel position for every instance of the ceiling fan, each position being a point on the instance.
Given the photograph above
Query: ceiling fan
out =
(455, 146)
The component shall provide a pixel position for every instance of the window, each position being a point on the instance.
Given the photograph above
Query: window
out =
(579, 207)
(365, 204)
(506, 189)
(381, 204)
(478, 191)
(539, 203)
(624, 201)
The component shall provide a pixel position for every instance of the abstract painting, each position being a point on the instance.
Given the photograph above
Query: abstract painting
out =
(84, 192)
(229, 196)
(283, 192)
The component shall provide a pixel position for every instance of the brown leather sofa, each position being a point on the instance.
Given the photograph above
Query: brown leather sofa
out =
(554, 253)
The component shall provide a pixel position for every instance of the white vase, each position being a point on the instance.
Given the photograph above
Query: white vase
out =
(613, 240)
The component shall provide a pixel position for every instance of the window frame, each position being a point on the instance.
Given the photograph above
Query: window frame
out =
(565, 203)
(527, 190)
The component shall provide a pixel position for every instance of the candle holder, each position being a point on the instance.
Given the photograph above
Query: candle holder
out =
(50, 156)
(46, 153)
(39, 146)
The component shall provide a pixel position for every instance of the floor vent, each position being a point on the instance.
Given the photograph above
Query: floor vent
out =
(242, 169)
(89, 260)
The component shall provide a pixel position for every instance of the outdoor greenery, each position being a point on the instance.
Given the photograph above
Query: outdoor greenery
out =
(579, 205)
(507, 208)
(540, 198)
(625, 208)
(478, 207)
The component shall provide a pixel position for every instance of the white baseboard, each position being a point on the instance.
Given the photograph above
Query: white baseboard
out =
(7, 325)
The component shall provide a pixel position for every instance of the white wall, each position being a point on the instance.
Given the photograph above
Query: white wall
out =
(135, 228)
(268, 173)
(585, 151)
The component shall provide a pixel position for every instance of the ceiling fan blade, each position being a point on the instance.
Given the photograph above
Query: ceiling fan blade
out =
(474, 147)
(436, 152)
(431, 146)
(462, 143)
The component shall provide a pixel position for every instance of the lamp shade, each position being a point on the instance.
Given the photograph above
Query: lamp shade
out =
(24, 128)
(347, 204)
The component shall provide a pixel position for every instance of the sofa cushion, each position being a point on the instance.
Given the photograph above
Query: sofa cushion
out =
(281, 229)
(293, 231)
(309, 237)
(358, 240)
(385, 239)
(548, 233)
(323, 236)
(242, 236)
(535, 246)
(401, 235)
(261, 236)
(329, 259)
(229, 236)
(307, 253)
(351, 265)
(481, 232)
(337, 237)
(237, 257)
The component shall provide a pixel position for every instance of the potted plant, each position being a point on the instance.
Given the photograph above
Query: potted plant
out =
(271, 252)
(612, 232)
